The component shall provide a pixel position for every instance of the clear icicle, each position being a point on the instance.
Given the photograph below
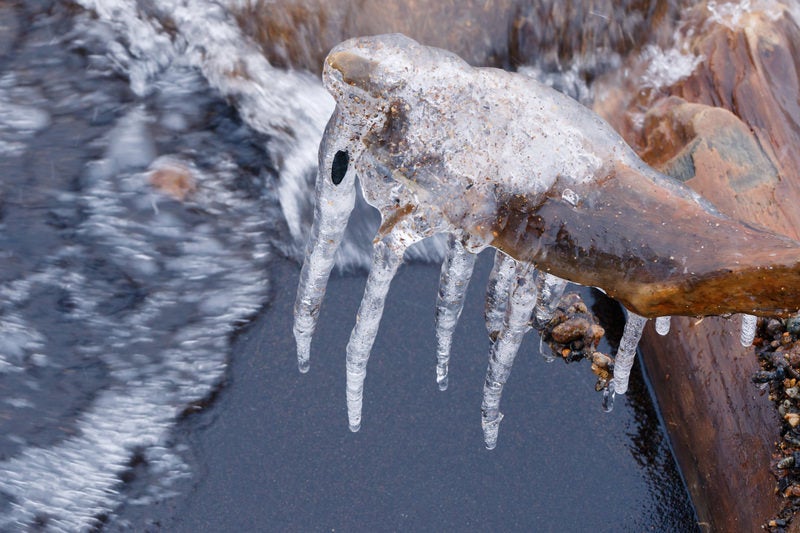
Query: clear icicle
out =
(662, 325)
(521, 300)
(550, 290)
(748, 333)
(456, 273)
(335, 198)
(386, 258)
(497, 289)
(626, 353)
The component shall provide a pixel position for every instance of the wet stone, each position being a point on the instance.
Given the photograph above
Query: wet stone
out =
(570, 330)
(778, 349)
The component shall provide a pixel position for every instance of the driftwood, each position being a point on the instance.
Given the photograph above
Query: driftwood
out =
(738, 144)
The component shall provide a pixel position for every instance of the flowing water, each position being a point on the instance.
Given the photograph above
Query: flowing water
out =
(120, 302)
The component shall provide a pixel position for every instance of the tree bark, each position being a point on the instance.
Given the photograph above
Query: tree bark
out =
(736, 143)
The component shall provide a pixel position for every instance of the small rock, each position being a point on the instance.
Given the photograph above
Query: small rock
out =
(793, 325)
(572, 329)
(172, 178)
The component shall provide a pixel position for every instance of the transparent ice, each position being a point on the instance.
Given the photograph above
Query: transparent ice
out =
(385, 260)
(456, 273)
(748, 332)
(623, 362)
(500, 281)
(662, 325)
(516, 323)
(550, 290)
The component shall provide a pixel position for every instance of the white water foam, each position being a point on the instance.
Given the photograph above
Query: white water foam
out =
(158, 362)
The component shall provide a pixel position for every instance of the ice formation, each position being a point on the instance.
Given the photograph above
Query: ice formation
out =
(456, 273)
(662, 325)
(495, 159)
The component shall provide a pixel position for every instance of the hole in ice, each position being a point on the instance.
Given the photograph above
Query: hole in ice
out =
(339, 166)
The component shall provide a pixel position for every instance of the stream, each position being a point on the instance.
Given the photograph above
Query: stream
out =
(152, 210)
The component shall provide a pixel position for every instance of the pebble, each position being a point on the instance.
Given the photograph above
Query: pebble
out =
(172, 178)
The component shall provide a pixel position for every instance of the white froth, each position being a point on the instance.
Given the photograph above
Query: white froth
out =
(667, 67)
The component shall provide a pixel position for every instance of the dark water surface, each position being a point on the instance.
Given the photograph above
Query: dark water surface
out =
(274, 450)
(147, 371)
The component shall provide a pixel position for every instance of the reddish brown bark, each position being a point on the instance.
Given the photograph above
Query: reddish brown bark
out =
(741, 150)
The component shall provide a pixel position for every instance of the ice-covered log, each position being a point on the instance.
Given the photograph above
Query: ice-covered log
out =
(545, 181)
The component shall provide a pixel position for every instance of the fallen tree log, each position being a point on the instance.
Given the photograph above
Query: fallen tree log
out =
(730, 131)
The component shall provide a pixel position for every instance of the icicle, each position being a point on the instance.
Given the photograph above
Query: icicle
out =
(386, 258)
(456, 273)
(662, 325)
(749, 323)
(624, 359)
(516, 323)
(335, 197)
(500, 280)
(550, 290)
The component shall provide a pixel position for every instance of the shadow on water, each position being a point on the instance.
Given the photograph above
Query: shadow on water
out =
(122, 310)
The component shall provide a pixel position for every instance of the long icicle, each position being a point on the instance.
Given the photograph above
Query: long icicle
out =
(456, 273)
(386, 258)
(521, 300)
(623, 362)
(500, 279)
(335, 198)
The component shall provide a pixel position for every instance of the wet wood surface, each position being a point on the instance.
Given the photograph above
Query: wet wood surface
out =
(731, 131)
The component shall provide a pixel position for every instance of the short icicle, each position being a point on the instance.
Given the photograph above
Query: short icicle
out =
(521, 301)
(623, 361)
(550, 290)
(497, 289)
(748, 333)
(456, 273)
(335, 198)
(662, 325)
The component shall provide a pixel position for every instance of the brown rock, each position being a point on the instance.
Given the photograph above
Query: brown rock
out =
(173, 179)
(572, 329)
